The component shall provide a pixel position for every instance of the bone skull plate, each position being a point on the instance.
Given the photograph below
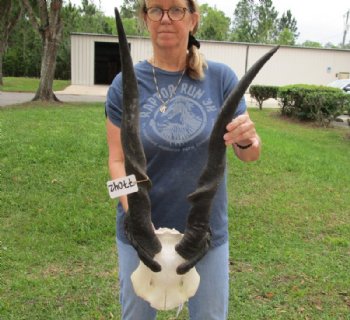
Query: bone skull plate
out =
(166, 289)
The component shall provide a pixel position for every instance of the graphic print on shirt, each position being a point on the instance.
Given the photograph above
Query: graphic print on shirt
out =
(185, 123)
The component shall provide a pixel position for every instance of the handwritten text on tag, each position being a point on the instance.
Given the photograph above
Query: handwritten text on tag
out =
(122, 186)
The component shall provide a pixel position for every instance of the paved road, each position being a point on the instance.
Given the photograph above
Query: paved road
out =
(11, 98)
(75, 93)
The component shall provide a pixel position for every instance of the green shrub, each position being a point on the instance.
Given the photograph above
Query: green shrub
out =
(261, 93)
(346, 107)
(312, 103)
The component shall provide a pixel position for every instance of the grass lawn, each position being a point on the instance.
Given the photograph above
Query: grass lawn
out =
(289, 220)
(19, 84)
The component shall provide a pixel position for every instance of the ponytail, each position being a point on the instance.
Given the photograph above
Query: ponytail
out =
(196, 63)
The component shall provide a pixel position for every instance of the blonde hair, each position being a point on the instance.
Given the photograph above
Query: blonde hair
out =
(195, 62)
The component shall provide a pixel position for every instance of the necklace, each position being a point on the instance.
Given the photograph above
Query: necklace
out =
(164, 105)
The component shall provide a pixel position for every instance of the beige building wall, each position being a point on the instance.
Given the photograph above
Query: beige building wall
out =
(232, 55)
(290, 65)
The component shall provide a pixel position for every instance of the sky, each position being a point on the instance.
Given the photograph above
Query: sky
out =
(317, 20)
(322, 21)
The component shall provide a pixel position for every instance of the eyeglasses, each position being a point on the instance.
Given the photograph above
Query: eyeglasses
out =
(174, 13)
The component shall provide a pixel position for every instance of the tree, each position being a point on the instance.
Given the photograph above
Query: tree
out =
(86, 18)
(254, 22)
(131, 22)
(287, 30)
(128, 9)
(285, 37)
(287, 21)
(330, 45)
(311, 44)
(266, 24)
(91, 19)
(88, 8)
(71, 17)
(244, 22)
(24, 45)
(11, 12)
(214, 25)
(46, 19)
(258, 22)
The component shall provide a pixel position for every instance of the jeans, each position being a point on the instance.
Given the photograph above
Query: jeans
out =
(210, 301)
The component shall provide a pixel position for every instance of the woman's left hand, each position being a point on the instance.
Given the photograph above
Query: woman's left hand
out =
(240, 130)
(241, 134)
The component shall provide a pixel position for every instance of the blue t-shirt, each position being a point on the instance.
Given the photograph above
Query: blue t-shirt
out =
(176, 141)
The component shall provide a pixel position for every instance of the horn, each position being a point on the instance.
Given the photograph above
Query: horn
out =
(138, 224)
(196, 240)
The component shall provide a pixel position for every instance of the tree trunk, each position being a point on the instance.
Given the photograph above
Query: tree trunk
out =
(47, 72)
(49, 25)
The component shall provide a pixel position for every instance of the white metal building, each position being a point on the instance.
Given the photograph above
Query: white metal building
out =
(95, 60)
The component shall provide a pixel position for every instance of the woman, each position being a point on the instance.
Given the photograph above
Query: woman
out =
(180, 98)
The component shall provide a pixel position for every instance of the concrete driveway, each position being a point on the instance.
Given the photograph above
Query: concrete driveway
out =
(96, 93)
(72, 93)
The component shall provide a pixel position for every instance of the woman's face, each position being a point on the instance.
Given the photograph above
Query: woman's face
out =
(166, 33)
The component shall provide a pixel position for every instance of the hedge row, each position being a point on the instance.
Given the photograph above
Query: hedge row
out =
(262, 93)
(305, 102)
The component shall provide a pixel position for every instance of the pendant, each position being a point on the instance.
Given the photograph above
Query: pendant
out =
(162, 108)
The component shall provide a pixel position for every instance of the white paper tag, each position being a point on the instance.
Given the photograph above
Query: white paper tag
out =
(122, 186)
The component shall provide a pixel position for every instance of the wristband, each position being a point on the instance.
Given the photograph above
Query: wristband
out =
(243, 147)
